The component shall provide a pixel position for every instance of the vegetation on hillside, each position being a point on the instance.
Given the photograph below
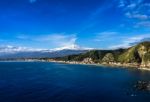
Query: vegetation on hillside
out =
(139, 54)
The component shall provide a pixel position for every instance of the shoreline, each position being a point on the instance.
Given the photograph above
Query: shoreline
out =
(98, 64)
(81, 63)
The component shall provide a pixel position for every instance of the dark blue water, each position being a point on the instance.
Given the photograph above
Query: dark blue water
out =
(53, 82)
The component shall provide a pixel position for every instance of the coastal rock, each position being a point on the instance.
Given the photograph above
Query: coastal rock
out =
(142, 85)
(88, 61)
(144, 53)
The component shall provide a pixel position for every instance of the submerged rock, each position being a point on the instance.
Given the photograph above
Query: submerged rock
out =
(142, 85)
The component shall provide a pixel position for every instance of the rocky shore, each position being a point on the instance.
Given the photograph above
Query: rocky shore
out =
(142, 86)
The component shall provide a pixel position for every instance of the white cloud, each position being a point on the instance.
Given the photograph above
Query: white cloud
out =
(135, 9)
(22, 37)
(137, 16)
(105, 36)
(127, 42)
(131, 6)
(143, 23)
(14, 49)
(73, 47)
(107, 33)
(114, 40)
(122, 3)
(59, 41)
(147, 4)
(63, 41)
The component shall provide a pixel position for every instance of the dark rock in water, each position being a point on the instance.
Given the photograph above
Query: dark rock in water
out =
(142, 85)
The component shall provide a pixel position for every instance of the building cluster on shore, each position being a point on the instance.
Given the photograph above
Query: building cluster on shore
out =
(90, 62)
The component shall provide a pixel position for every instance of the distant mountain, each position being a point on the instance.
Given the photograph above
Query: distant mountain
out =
(40, 54)
(138, 55)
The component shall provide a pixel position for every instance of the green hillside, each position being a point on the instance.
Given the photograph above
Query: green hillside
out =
(139, 54)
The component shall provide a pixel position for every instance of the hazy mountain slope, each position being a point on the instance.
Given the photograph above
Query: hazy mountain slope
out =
(40, 54)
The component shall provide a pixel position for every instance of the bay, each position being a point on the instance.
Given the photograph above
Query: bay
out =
(55, 82)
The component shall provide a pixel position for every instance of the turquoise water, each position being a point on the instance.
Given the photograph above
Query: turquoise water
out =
(53, 82)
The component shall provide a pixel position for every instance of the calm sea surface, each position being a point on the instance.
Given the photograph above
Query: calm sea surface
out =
(53, 82)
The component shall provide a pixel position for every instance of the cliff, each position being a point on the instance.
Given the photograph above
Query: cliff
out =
(139, 54)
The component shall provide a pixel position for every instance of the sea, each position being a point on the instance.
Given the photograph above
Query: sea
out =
(57, 82)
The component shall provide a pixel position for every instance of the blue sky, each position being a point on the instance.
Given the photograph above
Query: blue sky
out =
(51, 24)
